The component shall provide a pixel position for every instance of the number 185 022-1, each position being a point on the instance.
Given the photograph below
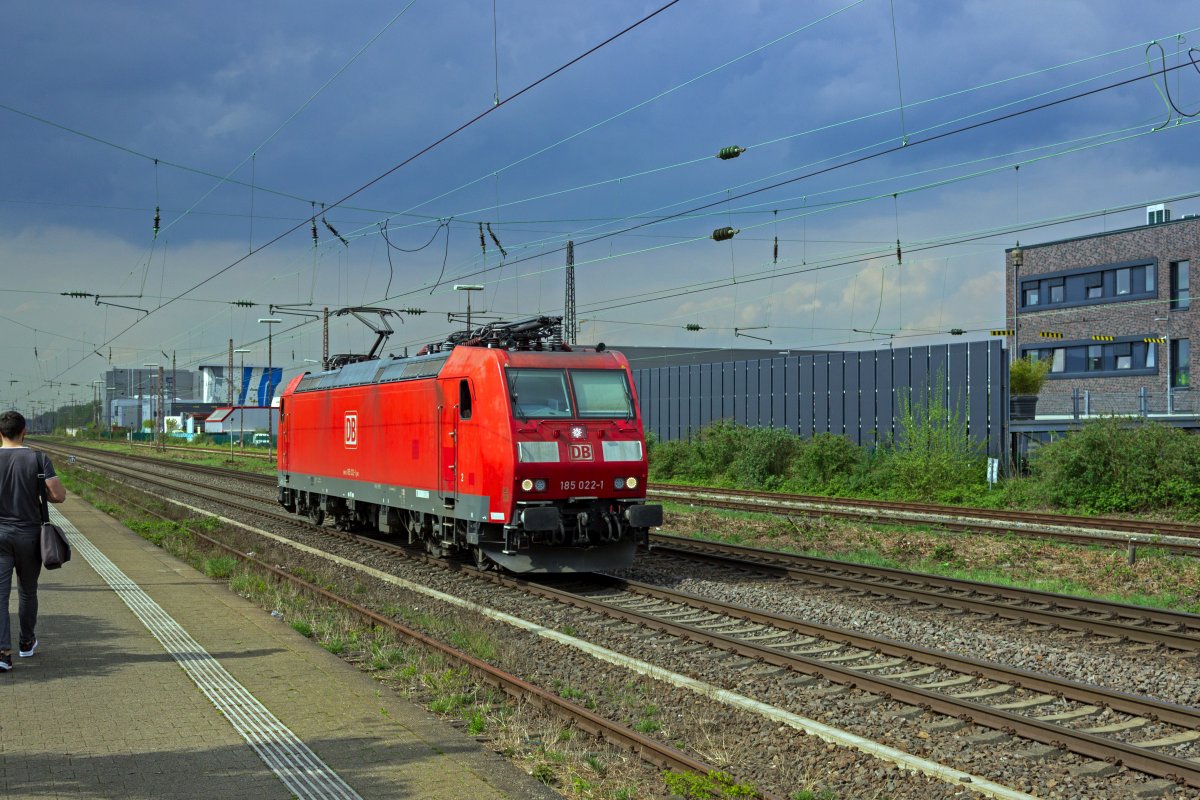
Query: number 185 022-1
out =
(580, 486)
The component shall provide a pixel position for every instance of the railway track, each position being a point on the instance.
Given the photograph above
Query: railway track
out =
(1150, 736)
(1117, 622)
(1147, 735)
(1115, 531)
(646, 747)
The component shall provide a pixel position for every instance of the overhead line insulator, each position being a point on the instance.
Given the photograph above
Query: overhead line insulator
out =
(733, 151)
(691, 326)
(722, 234)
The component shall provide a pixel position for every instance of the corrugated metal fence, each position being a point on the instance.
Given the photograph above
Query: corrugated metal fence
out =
(856, 394)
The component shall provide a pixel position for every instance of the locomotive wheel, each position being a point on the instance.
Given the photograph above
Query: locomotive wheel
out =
(433, 548)
(317, 515)
(480, 558)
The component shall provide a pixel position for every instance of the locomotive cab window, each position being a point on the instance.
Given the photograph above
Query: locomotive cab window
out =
(539, 393)
(464, 399)
(602, 393)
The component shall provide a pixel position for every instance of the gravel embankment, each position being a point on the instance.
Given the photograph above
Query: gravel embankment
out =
(780, 760)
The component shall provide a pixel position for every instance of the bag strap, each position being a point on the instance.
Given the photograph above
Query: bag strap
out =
(41, 459)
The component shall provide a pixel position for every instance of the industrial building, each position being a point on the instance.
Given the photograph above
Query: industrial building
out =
(1112, 314)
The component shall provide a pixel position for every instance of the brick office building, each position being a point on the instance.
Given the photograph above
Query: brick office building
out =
(1089, 304)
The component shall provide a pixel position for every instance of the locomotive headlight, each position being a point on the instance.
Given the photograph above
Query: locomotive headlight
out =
(527, 485)
(631, 483)
(539, 485)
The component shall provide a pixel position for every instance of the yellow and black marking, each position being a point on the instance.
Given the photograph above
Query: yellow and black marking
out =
(1154, 340)
(1100, 337)
(1051, 334)
(1005, 332)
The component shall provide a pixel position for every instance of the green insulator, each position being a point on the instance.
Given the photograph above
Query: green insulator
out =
(733, 151)
(721, 234)
(691, 326)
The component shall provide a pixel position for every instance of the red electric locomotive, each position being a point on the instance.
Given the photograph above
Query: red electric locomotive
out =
(503, 444)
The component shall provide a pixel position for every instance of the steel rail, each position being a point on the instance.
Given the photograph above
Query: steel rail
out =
(1090, 745)
(948, 518)
(653, 752)
(1056, 613)
(1086, 744)
(1121, 524)
(974, 597)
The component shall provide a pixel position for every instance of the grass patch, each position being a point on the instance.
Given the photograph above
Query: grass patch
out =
(220, 567)
(715, 784)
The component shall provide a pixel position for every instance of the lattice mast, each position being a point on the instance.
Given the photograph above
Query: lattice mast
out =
(570, 327)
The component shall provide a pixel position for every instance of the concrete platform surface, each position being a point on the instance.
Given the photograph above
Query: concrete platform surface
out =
(152, 681)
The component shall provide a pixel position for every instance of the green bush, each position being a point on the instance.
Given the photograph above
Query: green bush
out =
(826, 463)
(1114, 465)
(671, 461)
(762, 457)
(933, 457)
(716, 446)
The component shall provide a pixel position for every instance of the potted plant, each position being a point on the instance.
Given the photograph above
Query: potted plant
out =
(1025, 380)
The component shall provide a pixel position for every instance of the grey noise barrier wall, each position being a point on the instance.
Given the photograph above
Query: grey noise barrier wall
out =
(853, 394)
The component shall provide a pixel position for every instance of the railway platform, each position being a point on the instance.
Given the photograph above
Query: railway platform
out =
(152, 681)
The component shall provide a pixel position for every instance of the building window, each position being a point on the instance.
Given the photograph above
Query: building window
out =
(1150, 270)
(1058, 362)
(1031, 295)
(1095, 357)
(1180, 282)
(1124, 355)
(1123, 281)
(1180, 363)
(1094, 284)
(1151, 356)
(1056, 291)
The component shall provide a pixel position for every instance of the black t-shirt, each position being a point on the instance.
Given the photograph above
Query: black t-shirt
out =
(20, 489)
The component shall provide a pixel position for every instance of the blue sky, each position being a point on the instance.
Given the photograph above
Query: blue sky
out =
(257, 112)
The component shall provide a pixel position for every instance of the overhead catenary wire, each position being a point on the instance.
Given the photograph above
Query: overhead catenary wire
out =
(867, 157)
(432, 218)
(832, 126)
(835, 206)
(838, 261)
(632, 26)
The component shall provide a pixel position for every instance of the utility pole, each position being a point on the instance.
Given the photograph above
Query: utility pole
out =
(270, 323)
(229, 374)
(162, 412)
(570, 331)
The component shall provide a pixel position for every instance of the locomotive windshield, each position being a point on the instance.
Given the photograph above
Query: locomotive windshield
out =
(544, 393)
(539, 393)
(602, 393)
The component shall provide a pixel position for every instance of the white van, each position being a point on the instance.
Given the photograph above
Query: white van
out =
(261, 439)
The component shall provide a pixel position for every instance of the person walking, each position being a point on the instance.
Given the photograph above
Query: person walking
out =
(20, 530)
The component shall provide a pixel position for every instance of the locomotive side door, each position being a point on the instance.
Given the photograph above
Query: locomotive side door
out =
(448, 440)
(456, 409)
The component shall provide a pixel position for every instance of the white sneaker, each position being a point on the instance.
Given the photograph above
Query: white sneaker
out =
(26, 653)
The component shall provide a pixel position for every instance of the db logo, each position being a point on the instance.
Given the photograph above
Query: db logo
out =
(351, 429)
(580, 452)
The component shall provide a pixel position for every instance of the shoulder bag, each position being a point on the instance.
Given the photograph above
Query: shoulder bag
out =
(55, 549)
